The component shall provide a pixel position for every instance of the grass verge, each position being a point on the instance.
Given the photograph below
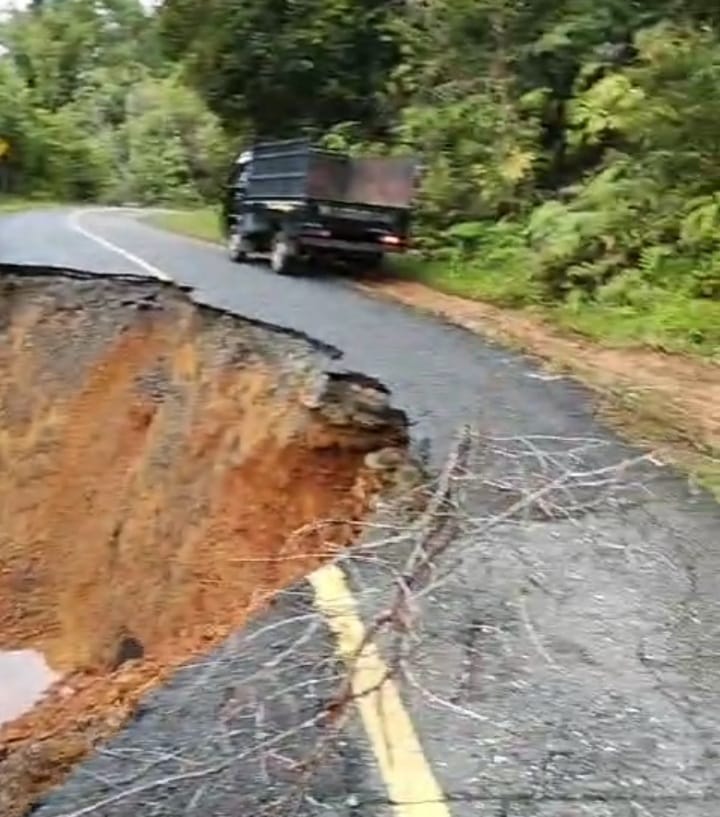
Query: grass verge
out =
(665, 321)
(16, 204)
(202, 223)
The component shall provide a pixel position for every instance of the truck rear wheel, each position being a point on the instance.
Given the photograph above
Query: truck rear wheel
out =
(283, 260)
(237, 247)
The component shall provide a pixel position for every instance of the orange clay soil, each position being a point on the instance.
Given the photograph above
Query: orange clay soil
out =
(163, 469)
(668, 398)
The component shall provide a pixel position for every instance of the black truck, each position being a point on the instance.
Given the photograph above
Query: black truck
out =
(296, 203)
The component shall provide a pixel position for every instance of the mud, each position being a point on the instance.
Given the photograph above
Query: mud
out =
(165, 468)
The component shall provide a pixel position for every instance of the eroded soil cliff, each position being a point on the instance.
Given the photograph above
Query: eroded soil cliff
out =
(164, 469)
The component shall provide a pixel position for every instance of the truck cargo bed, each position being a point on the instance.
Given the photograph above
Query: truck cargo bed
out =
(295, 170)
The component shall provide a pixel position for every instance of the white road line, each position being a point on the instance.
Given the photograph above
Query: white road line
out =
(74, 222)
(545, 377)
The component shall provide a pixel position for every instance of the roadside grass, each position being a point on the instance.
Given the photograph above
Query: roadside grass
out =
(707, 474)
(202, 223)
(670, 322)
(16, 204)
(666, 321)
(491, 280)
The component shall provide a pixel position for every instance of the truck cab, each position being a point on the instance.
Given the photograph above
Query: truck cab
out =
(234, 191)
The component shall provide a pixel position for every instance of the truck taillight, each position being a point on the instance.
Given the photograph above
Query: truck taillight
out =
(391, 240)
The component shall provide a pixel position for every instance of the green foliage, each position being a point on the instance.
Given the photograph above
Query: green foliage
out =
(280, 67)
(75, 162)
(658, 318)
(56, 48)
(477, 166)
(19, 122)
(610, 116)
(91, 112)
(652, 209)
(175, 147)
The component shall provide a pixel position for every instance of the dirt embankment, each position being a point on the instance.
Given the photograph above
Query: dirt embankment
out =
(164, 469)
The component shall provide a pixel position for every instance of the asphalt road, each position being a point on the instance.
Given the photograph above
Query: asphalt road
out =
(568, 664)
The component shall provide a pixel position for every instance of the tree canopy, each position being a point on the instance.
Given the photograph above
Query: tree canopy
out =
(92, 110)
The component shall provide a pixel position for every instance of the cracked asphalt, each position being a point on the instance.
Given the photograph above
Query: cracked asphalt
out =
(568, 663)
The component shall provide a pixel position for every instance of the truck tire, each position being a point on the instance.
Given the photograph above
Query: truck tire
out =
(282, 256)
(237, 248)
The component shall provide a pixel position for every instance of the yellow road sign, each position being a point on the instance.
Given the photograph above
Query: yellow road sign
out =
(4, 147)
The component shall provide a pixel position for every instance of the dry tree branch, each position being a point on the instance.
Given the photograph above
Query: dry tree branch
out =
(437, 542)
(433, 533)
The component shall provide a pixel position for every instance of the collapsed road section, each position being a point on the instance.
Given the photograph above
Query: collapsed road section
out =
(165, 468)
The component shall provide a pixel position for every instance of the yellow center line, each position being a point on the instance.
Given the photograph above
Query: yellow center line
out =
(405, 770)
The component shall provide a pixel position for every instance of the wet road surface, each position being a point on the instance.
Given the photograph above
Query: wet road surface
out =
(568, 665)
